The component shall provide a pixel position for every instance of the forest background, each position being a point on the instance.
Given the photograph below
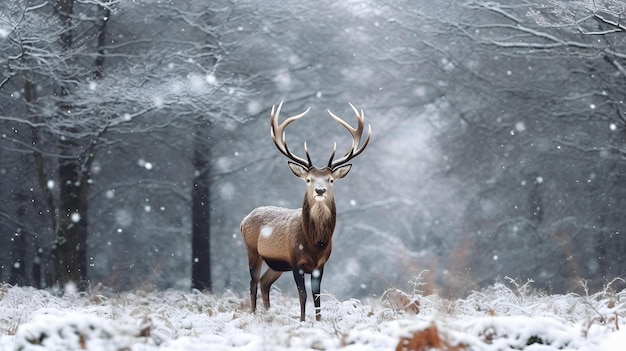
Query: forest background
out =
(134, 139)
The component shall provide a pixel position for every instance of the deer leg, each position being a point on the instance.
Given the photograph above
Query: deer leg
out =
(316, 280)
(255, 272)
(298, 275)
(268, 278)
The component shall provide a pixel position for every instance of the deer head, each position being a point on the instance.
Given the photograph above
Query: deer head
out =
(319, 180)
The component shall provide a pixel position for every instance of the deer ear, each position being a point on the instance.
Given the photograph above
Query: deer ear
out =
(299, 170)
(341, 171)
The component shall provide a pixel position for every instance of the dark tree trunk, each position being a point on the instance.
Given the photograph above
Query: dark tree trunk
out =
(18, 259)
(201, 207)
(67, 246)
(83, 224)
(70, 240)
(105, 13)
(36, 267)
(18, 252)
(70, 248)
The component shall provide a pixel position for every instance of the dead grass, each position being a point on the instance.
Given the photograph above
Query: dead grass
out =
(426, 340)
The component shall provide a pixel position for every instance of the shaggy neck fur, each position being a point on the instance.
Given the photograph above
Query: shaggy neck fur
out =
(318, 221)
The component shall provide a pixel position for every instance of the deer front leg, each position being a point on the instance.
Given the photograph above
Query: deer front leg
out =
(316, 280)
(298, 275)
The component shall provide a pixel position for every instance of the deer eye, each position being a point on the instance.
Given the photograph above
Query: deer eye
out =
(308, 180)
(331, 180)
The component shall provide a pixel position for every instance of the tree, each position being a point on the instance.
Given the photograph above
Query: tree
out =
(87, 102)
(540, 132)
(43, 58)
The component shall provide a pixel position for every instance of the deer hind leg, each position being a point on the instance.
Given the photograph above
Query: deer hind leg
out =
(255, 264)
(268, 278)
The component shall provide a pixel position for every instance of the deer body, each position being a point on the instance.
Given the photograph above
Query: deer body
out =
(297, 240)
(284, 246)
(283, 243)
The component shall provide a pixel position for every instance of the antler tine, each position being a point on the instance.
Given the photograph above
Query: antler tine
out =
(277, 130)
(332, 155)
(356, 133)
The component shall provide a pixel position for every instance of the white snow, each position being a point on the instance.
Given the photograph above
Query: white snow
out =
(283, 80)
(75, 217)
(158, 101)
(211, 79)
(227, 191)
(123, 217)
(266, 231)
(497, 318)
(145, 164)
(254, 107)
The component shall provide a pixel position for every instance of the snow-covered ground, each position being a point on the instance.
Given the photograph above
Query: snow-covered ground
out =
(498, 318)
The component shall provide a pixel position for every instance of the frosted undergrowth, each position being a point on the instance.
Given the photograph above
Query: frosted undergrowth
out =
(501, 317)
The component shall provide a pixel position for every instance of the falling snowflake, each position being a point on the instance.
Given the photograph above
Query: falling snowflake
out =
(75, 217)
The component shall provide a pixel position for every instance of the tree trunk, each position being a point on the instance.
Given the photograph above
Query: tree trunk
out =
(18, 250)
(36, 267)
(66, 248)
(70, 240)
(201, 207)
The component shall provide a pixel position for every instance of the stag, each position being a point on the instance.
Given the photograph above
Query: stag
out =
(298, 240)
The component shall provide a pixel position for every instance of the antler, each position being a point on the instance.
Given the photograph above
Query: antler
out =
(278, 136)
(356, 138)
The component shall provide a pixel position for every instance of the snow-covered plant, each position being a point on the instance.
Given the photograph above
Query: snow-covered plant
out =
(74, 331)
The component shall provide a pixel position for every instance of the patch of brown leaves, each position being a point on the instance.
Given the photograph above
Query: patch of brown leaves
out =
(427, 339)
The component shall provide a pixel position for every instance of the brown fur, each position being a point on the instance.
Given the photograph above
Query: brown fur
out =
(319, 220)
(287, 236)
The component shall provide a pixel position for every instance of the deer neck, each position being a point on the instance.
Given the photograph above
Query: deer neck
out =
(318, 221)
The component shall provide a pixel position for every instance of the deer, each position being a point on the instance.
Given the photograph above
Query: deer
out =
(298, 240)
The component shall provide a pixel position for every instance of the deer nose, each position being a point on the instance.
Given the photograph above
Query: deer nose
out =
(320, 191)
